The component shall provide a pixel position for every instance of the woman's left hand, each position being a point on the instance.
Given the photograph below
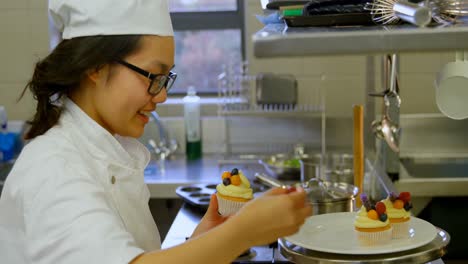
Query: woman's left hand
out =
(211, 218)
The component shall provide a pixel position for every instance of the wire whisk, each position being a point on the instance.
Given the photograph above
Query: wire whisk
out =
(392, 11)
(448, 11)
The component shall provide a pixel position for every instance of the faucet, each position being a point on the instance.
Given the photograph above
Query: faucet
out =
(166, 145)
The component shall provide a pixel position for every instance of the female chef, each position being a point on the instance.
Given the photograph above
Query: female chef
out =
(76, 193)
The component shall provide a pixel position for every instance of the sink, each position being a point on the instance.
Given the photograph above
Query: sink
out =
(430, 167)
(426, 176)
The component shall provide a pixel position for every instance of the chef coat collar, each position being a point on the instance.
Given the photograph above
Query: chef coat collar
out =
(117, 150)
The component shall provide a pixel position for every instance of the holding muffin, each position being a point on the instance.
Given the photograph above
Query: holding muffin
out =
(233, 192)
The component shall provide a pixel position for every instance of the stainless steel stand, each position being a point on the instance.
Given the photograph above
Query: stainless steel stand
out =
(432, 251)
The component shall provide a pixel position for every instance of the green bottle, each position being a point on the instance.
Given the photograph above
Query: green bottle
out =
(192, 117)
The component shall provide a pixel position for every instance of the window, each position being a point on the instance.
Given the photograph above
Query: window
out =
(208, 34)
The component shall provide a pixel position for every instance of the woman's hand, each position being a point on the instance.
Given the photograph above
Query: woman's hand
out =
(275, 214)
(211, 218)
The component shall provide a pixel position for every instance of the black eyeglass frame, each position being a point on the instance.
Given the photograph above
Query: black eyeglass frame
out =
(165, 80)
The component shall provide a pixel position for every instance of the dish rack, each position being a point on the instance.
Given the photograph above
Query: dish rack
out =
(237, 93)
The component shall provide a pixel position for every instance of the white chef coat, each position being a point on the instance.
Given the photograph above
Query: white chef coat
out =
(76, 195)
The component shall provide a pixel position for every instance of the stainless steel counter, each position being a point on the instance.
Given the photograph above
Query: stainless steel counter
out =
(162, 183)
(178, 171)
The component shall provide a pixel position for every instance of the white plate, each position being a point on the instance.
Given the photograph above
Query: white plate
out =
(334, 233)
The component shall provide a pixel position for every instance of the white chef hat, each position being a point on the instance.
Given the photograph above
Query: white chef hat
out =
(79, 18)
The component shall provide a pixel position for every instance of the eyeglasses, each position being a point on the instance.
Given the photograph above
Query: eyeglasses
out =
(157, 81)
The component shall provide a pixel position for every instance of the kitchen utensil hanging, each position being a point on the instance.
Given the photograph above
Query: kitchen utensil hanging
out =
(392, 11)
(386, 129)
(452, 7)
(452, 87)
(448, 11)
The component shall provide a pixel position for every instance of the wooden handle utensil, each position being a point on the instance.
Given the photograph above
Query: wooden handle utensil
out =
(358, 149)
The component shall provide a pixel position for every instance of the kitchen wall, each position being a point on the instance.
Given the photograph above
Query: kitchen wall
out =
(23, 39)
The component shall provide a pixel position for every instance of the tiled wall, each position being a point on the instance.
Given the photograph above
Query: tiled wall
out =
(23, 35)
(23, 39)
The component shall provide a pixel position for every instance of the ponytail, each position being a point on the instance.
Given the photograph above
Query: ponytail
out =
(63, 70)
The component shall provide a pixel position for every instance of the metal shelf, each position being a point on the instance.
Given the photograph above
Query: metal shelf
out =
(273, 110)
(276, 40)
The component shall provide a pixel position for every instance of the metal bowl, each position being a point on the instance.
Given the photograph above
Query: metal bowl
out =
(338, 167)
(325, 197)
(275, 167)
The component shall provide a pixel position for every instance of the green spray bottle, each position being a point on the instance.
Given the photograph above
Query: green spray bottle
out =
(192, 117)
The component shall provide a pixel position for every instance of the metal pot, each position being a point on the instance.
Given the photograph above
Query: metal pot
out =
(274, 166)
(342, 202)
(327, 197)
(337, 167)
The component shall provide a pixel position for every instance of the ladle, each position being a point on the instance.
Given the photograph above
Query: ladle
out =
(386, 129)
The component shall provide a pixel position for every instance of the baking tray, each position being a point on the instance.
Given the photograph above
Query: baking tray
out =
(276, 4)
(197, 195)
(432, 251)
(345, 19)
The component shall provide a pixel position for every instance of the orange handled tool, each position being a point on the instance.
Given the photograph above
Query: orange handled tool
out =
(358, 149)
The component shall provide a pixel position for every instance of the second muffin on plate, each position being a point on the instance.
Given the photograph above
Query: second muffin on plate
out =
(398, 210)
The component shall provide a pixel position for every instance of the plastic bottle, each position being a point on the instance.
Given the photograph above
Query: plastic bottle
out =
(3, 127)
(192, 116)
(7, 140)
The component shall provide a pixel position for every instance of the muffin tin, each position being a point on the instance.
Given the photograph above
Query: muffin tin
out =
(197, 194)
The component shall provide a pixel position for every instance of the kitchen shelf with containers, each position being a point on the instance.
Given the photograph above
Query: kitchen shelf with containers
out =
(267, 96)
(264, 94)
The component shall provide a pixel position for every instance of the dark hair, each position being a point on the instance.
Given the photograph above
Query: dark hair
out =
(63, 69)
